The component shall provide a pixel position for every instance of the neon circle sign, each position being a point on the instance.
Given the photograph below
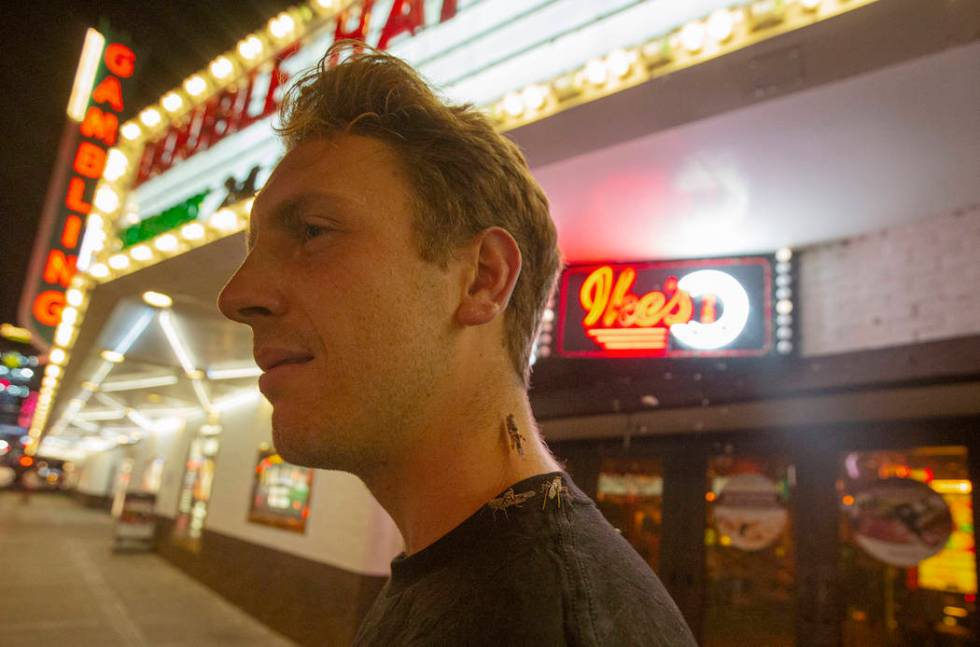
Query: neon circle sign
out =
(719, 307)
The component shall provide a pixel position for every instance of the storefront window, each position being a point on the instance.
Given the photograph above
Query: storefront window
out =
(750, 583)
(908, 561)
(192, 507)
(630, 495)
(280, 492)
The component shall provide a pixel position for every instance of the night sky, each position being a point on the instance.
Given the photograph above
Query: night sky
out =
(41, 45)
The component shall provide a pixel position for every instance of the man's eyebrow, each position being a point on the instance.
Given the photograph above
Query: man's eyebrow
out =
(288, 211)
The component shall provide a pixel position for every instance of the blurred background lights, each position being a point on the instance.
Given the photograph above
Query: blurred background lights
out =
(596, 72)
(118, 261)
(166, 243)
(116, 165)
(157, 299)
(151, 117)
(224, 220)
(106, 199)
(112, 356)
(221, 67)
(195, 85)
(192, 231)
(250, 48)
(141, 253)
(721, 23)
(171, 102)
(619, 62)
(692, 37)
(130, 130)
(282, 26)
(514, 105)
(534, 96)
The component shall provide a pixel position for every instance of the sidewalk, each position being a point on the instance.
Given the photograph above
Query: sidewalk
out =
(61, 585)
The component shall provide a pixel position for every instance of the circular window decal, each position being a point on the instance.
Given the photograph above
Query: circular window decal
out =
(749, 512)
(900, 521)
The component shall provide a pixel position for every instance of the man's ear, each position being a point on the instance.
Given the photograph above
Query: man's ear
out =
(496, 265)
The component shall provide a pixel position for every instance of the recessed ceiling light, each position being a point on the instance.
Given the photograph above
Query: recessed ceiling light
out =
(157, 299)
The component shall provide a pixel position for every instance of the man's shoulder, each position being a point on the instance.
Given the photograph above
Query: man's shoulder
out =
(622, 598)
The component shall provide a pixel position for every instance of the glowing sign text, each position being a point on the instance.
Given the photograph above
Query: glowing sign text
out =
(666, 309)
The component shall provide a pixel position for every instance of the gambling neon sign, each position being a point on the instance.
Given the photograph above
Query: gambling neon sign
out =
(56, 252)
(678, 309)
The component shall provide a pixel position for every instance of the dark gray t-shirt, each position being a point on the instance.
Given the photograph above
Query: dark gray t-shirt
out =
(538, 565)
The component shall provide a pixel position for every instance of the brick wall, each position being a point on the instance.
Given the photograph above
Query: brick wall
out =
(906, 284)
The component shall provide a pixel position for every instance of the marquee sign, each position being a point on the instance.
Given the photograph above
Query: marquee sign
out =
(720, 307)
(259, 95)
(57, 248)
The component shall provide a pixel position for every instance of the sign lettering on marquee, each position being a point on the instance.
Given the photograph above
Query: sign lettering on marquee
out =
(259, 95)
(681, 309)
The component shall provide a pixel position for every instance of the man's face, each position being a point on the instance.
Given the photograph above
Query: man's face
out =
(350, 326)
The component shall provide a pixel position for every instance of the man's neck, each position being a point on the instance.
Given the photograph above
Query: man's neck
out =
(457, 466)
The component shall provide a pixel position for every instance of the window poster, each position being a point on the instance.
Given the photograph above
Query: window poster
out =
(280, 492)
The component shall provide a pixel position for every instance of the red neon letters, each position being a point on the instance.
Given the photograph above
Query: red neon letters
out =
(99, 130)
(259, 95)
(619, 320)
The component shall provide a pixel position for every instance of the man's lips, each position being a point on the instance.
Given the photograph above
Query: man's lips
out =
(278, 365)
(270, 358)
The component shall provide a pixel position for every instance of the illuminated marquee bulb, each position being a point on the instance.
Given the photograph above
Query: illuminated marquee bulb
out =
(250, 48)
(534, 96)
(514, 104)
(172, 102)
(166, 243)
(192, 231)
(74, 297)
(721, 23)
(221, 68)
(692, 36)
(325, 5)
(57, 356)
(118, 261)
(131, 130)
(151, 117)
(224, 220)
(116, 165)
(596, 72)
(98, 270)
(282, 26)
(141, 253)
(106, 199)
(53, 370)
(619, 61)
(810, 5)
(195, 85)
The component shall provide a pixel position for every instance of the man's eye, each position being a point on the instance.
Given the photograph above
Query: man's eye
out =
(312, 231)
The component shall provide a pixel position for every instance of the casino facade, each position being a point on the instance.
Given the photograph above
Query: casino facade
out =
(762, 359)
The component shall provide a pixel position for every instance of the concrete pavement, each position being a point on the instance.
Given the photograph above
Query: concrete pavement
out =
(60, 584)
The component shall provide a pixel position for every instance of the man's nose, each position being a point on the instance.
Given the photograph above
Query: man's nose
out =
(250, 294)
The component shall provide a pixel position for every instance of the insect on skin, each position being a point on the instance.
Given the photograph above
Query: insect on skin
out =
(516, 439)
(553, 489)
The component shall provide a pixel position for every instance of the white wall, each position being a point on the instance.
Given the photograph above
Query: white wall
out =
(907, 284)
(346, 527)
(97, 472)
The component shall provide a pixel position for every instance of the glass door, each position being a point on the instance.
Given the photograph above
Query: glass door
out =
(907, 554)
(750, 584)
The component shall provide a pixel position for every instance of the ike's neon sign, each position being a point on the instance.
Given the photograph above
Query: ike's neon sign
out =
(666, 309)
(260, 94)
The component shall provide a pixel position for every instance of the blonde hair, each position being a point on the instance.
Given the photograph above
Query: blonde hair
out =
(467, 177)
